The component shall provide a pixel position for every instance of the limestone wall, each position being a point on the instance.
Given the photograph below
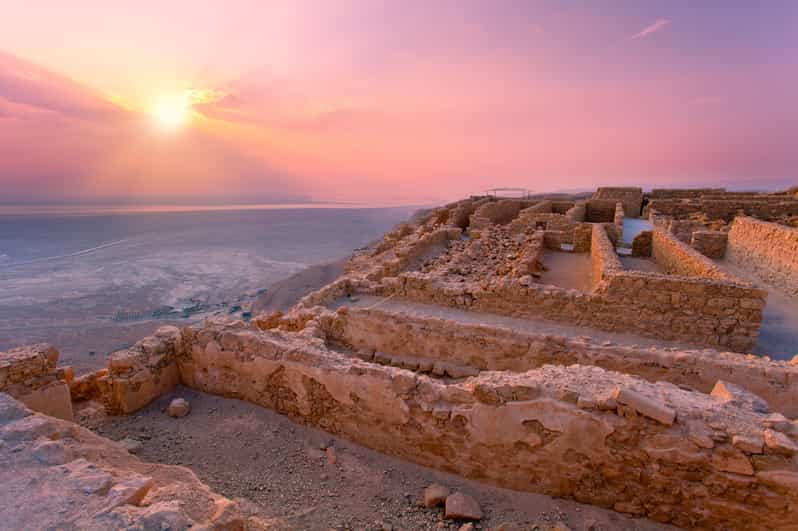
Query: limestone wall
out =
(641, 245)
(619, 215)
(30, 375)
(680, 259)
(604, 260)
(683, 193)
(600, 437)
(631, 198)
(411, 340)
(600, 211)
(710, 243)
(498, 212)
(578, 212)
(767, 249)
(140, 374)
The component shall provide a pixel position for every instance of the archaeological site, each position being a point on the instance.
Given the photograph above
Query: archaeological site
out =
(624, 357)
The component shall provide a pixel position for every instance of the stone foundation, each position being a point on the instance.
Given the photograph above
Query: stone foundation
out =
(597, 436)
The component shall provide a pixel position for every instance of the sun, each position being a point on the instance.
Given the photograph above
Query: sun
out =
(171, 112)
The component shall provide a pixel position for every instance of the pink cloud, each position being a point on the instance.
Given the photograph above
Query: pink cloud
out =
(653, 28)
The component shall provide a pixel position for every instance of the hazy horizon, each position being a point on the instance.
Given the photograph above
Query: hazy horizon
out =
(379, 101)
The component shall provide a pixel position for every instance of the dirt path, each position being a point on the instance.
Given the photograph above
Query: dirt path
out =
(282, 470)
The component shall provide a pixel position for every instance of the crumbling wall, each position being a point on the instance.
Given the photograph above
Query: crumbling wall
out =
(683, 193)
(420, 342)
(600, 437)
(630, 197)
(498, 212)
(140, 374)
(767, 249)
(710, 243)
(30, 375)
(619, 215)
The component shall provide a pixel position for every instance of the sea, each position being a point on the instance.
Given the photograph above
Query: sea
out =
(95, 280)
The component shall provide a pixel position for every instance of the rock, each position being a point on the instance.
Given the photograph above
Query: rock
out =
(751, 444)
(778, 422)
(331, 457)
(782, 479)
(50, 452)
(559, 526)
(179, 407)
(467, 527)
(780, 443)
(435, 495)
(131, 445)
(461, 506)
(728, 459)
(794, 360)
(646, 406)
(728, 392)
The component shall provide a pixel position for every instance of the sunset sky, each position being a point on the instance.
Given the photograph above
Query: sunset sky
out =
(400, 101)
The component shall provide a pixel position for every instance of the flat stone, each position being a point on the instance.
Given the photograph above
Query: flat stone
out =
(50, 452)
(646, 406)
(729, 459)
(782, 479)
(780, 443)
(752, 444)
(461, 506)
(435, 495)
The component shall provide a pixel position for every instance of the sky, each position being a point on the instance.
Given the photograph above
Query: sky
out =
(391, 101)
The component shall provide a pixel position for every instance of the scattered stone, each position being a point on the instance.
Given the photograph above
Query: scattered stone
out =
(179, 407)
(461, 506)
(467, 527)
(435, 495)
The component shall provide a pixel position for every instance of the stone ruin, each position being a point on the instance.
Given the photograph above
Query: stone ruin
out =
(443, 345)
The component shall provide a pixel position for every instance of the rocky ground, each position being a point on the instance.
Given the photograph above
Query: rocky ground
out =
(311, 480)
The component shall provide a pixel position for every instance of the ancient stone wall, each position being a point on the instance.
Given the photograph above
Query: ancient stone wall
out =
(578, 212)
(603, 258)
(600, 211)
(619, 215)
(140, 374)
(419, 343)
(600, 437)
(767, 249)
(680, 259)
(641, 244)
(498, 212)
(683, 193)
(631, 198)
(30, 375)
(710, 243)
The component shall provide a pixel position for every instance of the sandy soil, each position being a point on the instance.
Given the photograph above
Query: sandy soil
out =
(567, 270)
(639, 263)
(282, 470)
(285, 293)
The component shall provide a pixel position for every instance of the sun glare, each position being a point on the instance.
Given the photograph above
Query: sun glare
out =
(171, 112)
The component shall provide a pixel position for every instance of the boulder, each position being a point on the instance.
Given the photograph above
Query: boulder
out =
(461, 506)
(435, 495)
(179, 407)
